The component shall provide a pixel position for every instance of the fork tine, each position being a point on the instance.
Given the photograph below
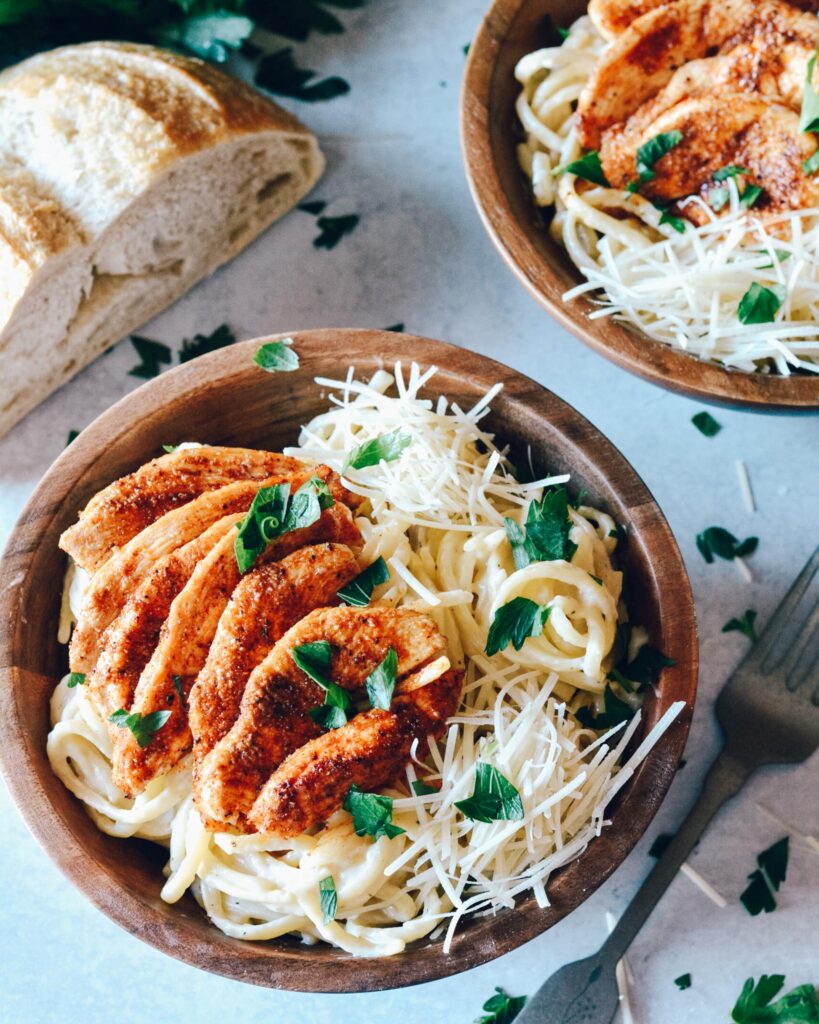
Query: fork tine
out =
(777, 637)
(805, 656)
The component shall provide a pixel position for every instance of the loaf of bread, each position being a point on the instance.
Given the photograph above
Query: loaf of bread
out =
(127, 174)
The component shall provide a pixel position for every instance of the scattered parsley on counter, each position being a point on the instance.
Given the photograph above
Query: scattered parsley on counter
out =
(212, 35)
(744, 625)
(372, 814)
(313, 206)
(717, 541)
(296, 19)
(514, 622)
(501, 1008)
(381, 681)
(494, 798)
(142, 727)
(397, 328)
(329, 899)
(385, 448)
(169, 449)
(359, 591)
(277, 356)
(203, 343)
(683, 982)
(544, 537)
(766, 880)
(759, 305)
(75, 679)
(333, 229)
(754, 1005)
(72, 436)
(154, 355)
(654, 150)
(706, 424)
(278, 73)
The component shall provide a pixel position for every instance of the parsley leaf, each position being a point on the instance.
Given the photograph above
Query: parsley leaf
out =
(655, 149)
(359, 591)
(273, 513)
(169, 449)
(333, 229)
(754, 1005)
(278, 73)
(396, 328)
(211, 36)
(372, 814)
(616, 711)
(587, 167)
(177, 684)
(314, 660)
(153, 354)
(717, 541)
(501, 1008)
(809, 114)
(545, 535)
(759, 305)
(749, 196)
(277, 356)
(766, 880)
(494, 798)
(706, 424)
(200, 344)
(421, 788)
(313, 206)
(643, 670)
(811, 165)
(683, 982)
(730, 171)
(143, 727)
(329, 899)
(296, 19)
(744, 625)
(647, 664)
(384, 448)
(381, 681)
(75, 679)
(678, 223)
(71, 436)
(514, 622)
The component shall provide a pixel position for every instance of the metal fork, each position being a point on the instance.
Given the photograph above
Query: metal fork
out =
(769, 714)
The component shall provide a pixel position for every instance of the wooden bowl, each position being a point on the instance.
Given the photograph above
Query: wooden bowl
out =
(223, 398)
(490, 132)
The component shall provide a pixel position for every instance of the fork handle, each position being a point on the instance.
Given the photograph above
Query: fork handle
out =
(725, 778)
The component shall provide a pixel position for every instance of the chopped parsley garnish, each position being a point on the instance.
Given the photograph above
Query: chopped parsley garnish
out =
(169, 449)
(278, 73)
(678, 223)
(395, 328)
(421, 788)
(744, 625)
(717, 541)
(544, 537)
(314, 660)
(143, 727)
(177, 685)
(329, 899)
(619, 532)
(154, 355)
(200, 344)
(706, 424)
(372, 814)
(683, 982)
(596, 579)
(809, 114)
(381, 681)
(759, 305)
(296, 19)
(494, 798)
(755, 1005)
(616, 711)
(587, 167)
(385, 448)
(501, 1008)
(313, 206)
(772, 867)
(655, 149)
(75, 679)
(277, 356)
(749, 196)
(731, 171)
(811, 165)
(333, 229)
(359, 591)
(72, 436)
(643, 670)
(514, 622)
(273, 512)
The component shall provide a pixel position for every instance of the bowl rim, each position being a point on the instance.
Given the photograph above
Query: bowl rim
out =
(285, 967)
(632, 350)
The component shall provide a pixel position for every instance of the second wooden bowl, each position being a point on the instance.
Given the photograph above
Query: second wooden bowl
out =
(490, 133)
(224, 399)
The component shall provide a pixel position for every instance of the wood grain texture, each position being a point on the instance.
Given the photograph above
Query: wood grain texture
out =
(490, 133)
(223, 398)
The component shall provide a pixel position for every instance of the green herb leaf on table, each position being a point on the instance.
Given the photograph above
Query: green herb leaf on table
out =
(296, 19)
(154, 355)
(75, 679)
(421, 788)
(313, 206)
(654, 150)
(384, 448)
(545, 535)
(212, 36)
(200, 344)
(372, 814)
(359, 591)
(587, 167)
(755, 1005)
(759, 305)
(706, 424)
(744, 625)
(277, 356)
(514, 623)
(142, 727)
(683, 982)
(494, 798)
(72, 436)
(328, 897)
(715, 540)
(278, 73)
(381, 681)
(396, 328)
(333, 229)
(501, 1008)
(764, 883)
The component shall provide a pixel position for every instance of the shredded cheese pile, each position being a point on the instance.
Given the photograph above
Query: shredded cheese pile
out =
(436, 516)
(682, 289)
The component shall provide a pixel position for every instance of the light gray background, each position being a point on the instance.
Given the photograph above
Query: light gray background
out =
(421, 256)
